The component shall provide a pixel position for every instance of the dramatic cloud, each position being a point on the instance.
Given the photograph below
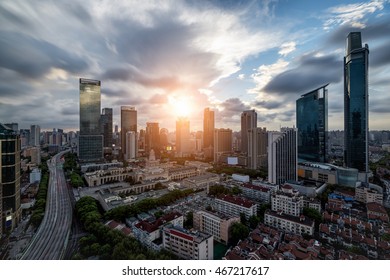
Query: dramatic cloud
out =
(311, 72)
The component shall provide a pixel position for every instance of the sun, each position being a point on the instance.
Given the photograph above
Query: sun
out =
(180, 105)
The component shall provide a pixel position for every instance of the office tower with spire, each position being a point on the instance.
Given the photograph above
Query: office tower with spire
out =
(90, 147)
(312, 124)
(356, 103)
(128, 123)
(248, 121)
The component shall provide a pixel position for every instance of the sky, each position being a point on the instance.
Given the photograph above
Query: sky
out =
(173, 58)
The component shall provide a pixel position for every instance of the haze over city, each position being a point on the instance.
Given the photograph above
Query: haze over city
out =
(172, 58)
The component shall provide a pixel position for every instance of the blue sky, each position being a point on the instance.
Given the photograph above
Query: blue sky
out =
(169, 58)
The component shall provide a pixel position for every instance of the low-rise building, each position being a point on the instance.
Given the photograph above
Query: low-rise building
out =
(215, 224)
(368, 193)
(188, 245)
(234, 206)
(201, 181)
(297, 225)
(149, 232)
(259, 192)
(376, 211)
(287, 200)
(179, 172)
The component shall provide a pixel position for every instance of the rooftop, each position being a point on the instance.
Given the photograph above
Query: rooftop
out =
(237, 200)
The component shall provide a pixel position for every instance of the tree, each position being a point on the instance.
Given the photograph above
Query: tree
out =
(238, 231)
(243, 219)
(254, 221)
(189, 222)
(313, 214)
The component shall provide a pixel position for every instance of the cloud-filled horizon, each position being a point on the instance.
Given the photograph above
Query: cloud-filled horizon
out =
(168, 58)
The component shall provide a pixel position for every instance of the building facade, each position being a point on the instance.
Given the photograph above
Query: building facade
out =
(10, 147)
(106, 126)
(90, 139)
(257, 148)
(222, 142)
(188, 245)
(234, 206)
(312, 124)
(183, 137)
(356, 103)
(297, 225)
(208, 132)
(217, 225)
(128, 123)
(152, 138)
(35, 134)
(131, 145)
(248, 121)
(282, 156)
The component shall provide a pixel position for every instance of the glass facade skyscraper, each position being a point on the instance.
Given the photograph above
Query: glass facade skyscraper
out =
(106, 126)
(356, 103)
(128, 123)
(10, 146)
(90, 139)
(312, 124)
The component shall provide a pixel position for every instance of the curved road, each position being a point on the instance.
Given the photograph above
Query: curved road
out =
(50, 241)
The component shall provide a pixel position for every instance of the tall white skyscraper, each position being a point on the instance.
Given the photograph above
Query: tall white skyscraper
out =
(131, 145)
(282, 156)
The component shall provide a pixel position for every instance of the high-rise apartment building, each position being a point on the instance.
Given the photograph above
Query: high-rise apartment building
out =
(182, 137)
(222, 142)
(152, 138)
(128, 123)
(248, 121)
(35, 132)
(282, 156)
(208, 132)
(356, 103)
(10, 146)
(90, 139)
(312, 124)
(131, 145)
(257, 148)
(106, 126)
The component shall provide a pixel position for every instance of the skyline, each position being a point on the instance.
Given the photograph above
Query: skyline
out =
(162, 57)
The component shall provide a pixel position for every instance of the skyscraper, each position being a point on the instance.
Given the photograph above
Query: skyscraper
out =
(90, 139)
(282, 156)
(152, 138)
(312, 124)
(128, 123)
(182, 137)
(223, 139)
(35, 132)
(257, 148)
(356, 103)
(10, 146)
(248, 121)
(208, 132)
(131, 145)
(106, 126)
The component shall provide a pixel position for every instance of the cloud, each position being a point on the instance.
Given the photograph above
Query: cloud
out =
(352, 14)
(287, 48)
(312, 71)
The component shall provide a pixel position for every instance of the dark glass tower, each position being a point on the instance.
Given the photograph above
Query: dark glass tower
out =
(106, 126)
(312, 124)
(356, 103)
(10, 146)
(208, 132)
(90, 139)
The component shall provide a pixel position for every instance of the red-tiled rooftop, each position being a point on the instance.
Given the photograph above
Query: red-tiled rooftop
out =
(376, 207)
(150, 227)
(255, 187)
(237, 200)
